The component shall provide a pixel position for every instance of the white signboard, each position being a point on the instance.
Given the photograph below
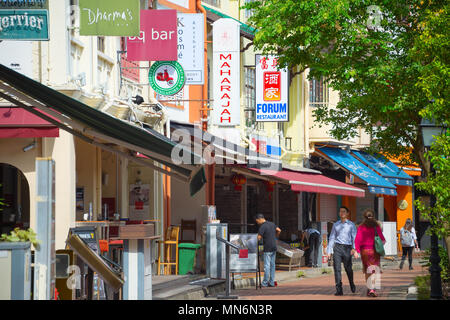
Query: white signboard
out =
(191, 46)
(272, 90)
(18, 56)
(226, 71)
(181, 3)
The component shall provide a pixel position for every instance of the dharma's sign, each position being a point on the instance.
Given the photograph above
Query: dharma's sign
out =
(109, 17)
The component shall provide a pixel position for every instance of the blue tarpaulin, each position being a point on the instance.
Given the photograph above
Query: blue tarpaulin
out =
(375, 183)
(386, 168)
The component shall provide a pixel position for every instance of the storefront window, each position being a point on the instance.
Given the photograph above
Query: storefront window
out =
(318, 92)
(250, 98)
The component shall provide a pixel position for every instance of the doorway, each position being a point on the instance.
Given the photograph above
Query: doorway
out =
(15, 196)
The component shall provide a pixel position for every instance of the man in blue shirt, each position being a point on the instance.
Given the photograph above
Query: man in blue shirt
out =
(342, 245)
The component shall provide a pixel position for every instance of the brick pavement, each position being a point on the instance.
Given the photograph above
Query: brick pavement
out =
(394, 286)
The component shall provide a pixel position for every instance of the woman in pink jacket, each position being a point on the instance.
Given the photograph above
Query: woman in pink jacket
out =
(365, 245)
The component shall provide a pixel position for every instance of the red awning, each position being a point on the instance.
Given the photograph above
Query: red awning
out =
(309, 182)
(19, 123)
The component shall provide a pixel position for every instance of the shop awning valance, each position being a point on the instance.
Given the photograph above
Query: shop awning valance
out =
(97, 127)
(19, 123)
(375, 183)
(213, 15)
(385, 168)
(307, 182)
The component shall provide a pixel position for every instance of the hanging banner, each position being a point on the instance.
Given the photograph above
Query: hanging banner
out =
(226, 72)
(109, 17)
(23, 24)
(272, 90)
(157, 40)
(166, 77)
(190, 46)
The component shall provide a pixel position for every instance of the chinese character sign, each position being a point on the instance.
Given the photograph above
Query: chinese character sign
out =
(272, 90)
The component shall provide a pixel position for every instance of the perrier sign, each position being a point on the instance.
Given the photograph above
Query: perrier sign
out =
(24, 20)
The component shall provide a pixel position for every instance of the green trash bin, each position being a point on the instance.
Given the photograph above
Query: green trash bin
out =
(186, 257)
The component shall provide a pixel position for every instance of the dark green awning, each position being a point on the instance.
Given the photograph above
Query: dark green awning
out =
(98, 124)
(246, 30)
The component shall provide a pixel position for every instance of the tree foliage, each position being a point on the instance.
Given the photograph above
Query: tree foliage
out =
(370, 52)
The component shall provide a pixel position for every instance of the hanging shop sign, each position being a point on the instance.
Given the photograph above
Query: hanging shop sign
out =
(24, 24)
(157, 40)
(166, 77)
(190, 46)
(272, 90)
(109, 17)
(226, 72)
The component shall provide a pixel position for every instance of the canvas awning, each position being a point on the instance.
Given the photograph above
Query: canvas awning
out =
(385, 168)
(99, 128)
(345, 160)
(213, 15)
(306, 182)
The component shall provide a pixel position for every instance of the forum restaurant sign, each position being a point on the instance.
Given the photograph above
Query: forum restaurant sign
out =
(109, 17)
(24, 20)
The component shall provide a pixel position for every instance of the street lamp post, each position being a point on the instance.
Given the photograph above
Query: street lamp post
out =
(429, 130)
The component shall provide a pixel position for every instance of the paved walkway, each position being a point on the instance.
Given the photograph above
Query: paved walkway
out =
(394, 286)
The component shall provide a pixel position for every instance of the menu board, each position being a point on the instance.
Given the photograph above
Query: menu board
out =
(247, 262)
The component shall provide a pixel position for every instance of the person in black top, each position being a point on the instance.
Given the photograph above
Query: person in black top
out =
(268, 232)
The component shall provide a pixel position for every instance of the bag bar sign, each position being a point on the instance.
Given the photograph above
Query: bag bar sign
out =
(272, 91)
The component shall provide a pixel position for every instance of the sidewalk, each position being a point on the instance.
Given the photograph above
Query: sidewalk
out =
(395, 285)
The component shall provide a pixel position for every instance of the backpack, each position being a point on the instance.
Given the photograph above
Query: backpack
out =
(406, 238)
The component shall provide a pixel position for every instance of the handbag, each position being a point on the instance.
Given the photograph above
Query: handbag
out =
(379, 246)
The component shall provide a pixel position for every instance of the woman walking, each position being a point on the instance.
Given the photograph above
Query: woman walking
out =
(365, 245)
(408, 240)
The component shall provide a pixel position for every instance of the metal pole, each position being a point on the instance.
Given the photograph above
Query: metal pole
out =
(435, 269)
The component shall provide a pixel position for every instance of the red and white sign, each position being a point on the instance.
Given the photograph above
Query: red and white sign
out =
(158, 38)
(226, 82)
(272, 90)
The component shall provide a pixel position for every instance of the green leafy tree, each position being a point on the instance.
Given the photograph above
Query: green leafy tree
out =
(387, 59)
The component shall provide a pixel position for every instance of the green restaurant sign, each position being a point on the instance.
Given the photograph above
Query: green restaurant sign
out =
(109, 17)
(23, 24)
(166, 77)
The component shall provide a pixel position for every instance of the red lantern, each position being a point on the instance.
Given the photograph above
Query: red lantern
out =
(238, 180)
(269, 185)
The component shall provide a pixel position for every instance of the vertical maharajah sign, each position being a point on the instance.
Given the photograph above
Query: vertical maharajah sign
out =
(226, 71)
(272, 90)
(109, 17)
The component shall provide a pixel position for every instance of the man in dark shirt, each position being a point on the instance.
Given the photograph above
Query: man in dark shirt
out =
(268, 232)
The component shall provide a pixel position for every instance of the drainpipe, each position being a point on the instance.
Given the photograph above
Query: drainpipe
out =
(210, 168)
(205, 85)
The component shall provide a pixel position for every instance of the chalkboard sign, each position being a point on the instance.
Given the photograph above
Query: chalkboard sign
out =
(247, 262)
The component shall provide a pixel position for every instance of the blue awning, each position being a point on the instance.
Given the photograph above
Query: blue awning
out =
(375, 183)
(386, 168)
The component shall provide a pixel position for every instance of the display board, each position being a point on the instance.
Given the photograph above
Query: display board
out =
(247, 262)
